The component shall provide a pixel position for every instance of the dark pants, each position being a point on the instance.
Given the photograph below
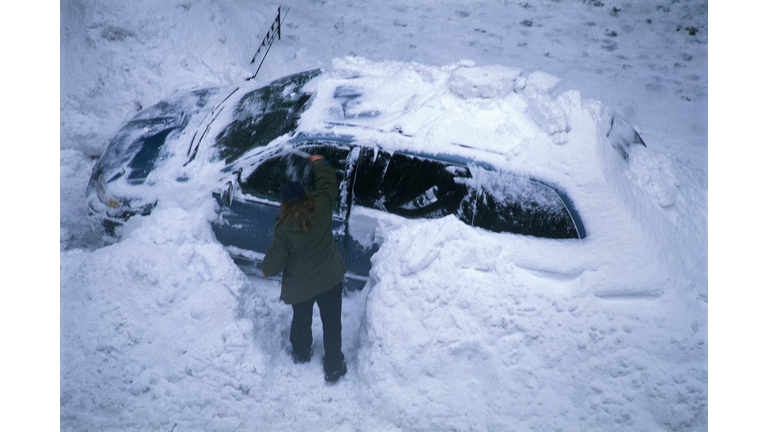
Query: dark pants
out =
(329, 304)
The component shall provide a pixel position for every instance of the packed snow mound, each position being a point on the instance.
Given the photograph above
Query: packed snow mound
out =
(465, 330)
(486, 82)
(162, 315)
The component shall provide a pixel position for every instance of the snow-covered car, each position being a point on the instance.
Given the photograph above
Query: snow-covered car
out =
(242, 144)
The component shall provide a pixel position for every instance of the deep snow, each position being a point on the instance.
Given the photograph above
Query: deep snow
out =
(459, 328)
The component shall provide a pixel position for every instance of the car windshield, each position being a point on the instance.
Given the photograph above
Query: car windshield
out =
(263, 115)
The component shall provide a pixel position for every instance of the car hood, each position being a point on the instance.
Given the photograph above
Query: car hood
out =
(182, 137)
(136, 148)
(122, 178)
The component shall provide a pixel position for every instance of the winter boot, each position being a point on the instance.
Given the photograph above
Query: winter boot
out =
(301, 358)
(334, 370)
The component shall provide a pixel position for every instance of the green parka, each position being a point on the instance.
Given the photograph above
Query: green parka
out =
(310, 261)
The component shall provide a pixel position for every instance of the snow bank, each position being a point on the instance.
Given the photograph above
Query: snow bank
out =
(468, 330)
(152, 328)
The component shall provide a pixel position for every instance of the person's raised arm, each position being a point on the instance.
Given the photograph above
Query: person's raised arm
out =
(325, 179)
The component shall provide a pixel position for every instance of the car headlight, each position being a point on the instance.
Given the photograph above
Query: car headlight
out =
(104, 197)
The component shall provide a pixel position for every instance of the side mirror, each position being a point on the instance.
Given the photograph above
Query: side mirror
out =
(228, 192)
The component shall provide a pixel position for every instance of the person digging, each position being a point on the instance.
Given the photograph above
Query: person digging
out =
(303, 247)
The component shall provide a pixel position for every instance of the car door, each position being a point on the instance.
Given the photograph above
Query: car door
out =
(405, 185)
(246, 222)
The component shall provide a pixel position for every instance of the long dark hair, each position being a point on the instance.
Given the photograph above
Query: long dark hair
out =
(301, 212)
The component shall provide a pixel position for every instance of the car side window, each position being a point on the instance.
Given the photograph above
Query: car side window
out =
(411, 186)
(367, 189)
(516, 204)
(269, 177)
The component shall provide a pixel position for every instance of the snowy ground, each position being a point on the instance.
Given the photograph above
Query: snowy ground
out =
(461, 329)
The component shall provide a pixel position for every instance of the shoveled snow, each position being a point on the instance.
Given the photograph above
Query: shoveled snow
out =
(459, 328)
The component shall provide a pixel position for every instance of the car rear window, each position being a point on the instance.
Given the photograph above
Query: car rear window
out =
(517, 204)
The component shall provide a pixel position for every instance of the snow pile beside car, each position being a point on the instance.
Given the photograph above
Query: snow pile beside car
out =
(150, 327)
(467, 330)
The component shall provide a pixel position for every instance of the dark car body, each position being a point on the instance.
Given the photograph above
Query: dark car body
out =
(250, 136)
